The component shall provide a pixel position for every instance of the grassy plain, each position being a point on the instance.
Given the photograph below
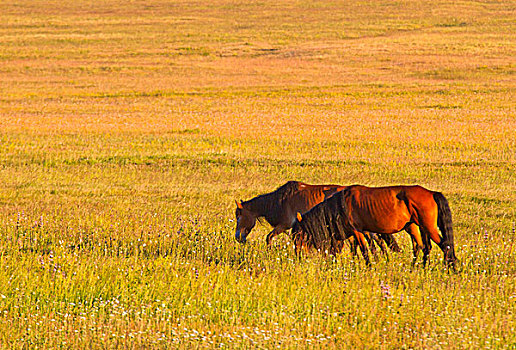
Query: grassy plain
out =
(128, 128)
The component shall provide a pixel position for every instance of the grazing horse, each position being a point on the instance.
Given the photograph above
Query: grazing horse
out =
(387, 210)
(279, 209)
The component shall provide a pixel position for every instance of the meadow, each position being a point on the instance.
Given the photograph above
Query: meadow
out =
(128, 130)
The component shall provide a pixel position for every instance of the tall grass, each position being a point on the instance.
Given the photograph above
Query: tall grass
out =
(127, 130)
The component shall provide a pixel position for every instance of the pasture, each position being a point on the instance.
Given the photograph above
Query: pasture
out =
(128, 129)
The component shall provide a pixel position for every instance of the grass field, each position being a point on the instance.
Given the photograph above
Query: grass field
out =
(128, 129)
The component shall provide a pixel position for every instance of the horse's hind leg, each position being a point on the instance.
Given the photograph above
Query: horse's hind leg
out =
(426, 235)
(430, 232)
(371, 238)
(417, 240)
(391, 242)
(380, 240)
(428, 222)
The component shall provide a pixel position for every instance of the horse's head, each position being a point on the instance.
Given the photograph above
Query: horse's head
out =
(245, 220)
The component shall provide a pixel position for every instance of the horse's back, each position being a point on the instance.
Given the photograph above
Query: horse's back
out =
(308, 196)
(414, 195)
(413, 191)
(305, 198)
(386, 209)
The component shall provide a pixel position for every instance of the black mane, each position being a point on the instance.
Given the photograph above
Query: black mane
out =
(325, 225)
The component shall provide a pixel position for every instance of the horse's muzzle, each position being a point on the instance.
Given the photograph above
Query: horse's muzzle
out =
(240, 236)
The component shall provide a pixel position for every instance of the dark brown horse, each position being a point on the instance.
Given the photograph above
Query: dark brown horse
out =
(358, 209)
(279, 209)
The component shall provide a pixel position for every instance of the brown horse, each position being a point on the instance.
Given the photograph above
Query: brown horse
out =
(358, 209)
(279, 209)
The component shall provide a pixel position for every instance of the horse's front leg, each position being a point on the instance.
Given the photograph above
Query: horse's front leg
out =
(299, 244)
(339, 245)
(352, 245)
(276, 231)
(362, 243)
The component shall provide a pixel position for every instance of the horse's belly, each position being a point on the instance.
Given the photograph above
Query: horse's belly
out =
(383, 226)
(389, 218)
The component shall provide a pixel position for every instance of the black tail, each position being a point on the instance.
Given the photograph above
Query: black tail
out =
(444, 221)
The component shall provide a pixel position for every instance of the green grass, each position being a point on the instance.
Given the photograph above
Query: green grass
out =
(127, 130)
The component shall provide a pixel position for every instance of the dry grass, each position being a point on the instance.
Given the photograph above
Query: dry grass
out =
(127, 129)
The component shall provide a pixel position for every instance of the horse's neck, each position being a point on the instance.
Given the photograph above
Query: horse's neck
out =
(261, 207)
(256, 206)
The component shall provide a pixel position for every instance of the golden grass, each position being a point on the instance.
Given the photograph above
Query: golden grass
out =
(127, 129)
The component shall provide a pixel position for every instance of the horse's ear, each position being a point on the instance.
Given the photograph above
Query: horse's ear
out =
(239, 204)
(299, 217)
